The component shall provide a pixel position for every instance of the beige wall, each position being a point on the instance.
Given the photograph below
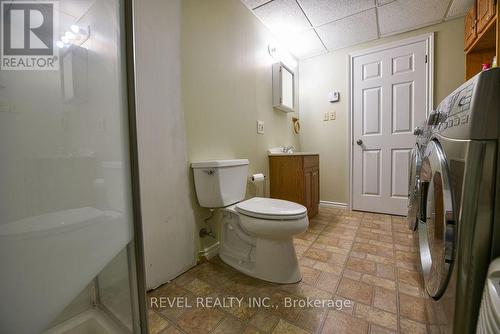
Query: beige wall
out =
(321, 74)
(226, 74)
(168, 220)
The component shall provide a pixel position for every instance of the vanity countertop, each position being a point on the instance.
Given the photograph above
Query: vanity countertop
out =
(282, 154)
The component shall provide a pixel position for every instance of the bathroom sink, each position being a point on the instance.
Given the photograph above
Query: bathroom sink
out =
(277, 151)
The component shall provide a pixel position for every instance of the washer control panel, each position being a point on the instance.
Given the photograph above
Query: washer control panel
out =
(453, 114)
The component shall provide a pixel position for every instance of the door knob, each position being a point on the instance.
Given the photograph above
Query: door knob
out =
(359, 142)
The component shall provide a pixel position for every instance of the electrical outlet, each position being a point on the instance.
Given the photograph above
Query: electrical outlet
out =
(333, 115)
(260, 127)
(325, 116)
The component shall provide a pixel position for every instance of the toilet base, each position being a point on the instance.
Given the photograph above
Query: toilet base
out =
(270, 260)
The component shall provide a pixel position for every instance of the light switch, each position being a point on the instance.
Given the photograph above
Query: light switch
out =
(325, 116)
(260, 127)
(333, 115)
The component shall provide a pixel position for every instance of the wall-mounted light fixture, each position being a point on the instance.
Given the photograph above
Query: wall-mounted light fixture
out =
(281, 55)
(75, 36)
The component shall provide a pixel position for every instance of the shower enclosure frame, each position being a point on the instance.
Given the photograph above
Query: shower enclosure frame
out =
(140, 273)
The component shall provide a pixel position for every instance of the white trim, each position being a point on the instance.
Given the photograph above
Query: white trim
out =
(349, 131)
(210, 251)
(328, 204)
(429, 39)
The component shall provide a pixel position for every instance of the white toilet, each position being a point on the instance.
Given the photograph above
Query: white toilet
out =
(256, 234)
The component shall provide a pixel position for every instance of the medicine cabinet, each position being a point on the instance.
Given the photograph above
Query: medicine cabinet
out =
(283, 88)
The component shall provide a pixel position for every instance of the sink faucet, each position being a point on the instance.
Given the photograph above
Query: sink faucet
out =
(289, 149)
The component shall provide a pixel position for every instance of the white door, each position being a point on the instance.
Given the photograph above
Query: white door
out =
(389, 98)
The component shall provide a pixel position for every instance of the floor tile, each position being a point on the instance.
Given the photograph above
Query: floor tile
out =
(200, 320)
(318, 254)
(156, 323)
(412, 307)
(311, 319)
(199, 288)
(385, 300)
(328, 267)
(251, 330)
(412, 327)
(377, 316)
(285, 327)
(309, 275)
(380, 282)
(409, 277)
(368, 260)
(361, 265)
(264, 321)
(374, 329)
(355, 290)
(386, 271)
(328, 282)
(230, 325)
(171, 330)
(342, 323)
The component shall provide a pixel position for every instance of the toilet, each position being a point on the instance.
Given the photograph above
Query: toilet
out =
(256, 234)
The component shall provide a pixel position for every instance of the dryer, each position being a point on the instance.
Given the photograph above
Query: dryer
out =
(423, 133)
(457, 188)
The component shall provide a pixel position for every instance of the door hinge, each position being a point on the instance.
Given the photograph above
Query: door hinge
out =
(426, 58)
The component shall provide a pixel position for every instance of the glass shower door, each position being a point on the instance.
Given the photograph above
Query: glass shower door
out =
(66, 219)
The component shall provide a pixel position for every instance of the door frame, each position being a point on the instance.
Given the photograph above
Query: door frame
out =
(429, 92)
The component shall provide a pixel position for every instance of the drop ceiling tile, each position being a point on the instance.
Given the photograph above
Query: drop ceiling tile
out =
(75, 8)
(283, 17)
(303, 44)
(459, 8)
(254, 3)
(349, 31)
(404, 15)
(323, 11)
(383, 2)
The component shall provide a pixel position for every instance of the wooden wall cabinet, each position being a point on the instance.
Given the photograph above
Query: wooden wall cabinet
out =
(485, 12)
(481, 36)
(296, 178)
(470, 27)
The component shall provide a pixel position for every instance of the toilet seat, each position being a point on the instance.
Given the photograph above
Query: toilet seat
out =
(271, 209)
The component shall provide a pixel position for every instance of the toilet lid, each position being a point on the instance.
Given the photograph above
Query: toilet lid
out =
(270, 208)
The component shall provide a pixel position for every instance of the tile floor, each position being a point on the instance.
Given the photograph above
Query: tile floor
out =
(368, 259)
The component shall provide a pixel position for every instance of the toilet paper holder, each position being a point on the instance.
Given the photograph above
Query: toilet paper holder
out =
(258, 178)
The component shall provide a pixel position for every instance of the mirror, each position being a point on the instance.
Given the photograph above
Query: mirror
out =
(283, 88)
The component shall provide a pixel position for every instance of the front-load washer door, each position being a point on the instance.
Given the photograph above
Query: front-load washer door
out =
(414, 188)
(437, 221)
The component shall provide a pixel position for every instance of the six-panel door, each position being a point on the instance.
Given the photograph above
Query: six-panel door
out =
(389, 100)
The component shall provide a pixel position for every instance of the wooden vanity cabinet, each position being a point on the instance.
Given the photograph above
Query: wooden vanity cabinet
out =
(296, 178)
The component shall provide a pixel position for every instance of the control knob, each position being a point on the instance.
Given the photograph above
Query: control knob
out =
(435, 117)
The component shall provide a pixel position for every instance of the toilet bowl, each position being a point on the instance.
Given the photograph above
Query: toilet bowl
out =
(256, 234)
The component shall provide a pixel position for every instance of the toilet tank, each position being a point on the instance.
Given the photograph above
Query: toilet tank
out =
(220, 183)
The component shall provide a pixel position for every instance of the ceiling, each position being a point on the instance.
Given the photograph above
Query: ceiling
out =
(311, 27)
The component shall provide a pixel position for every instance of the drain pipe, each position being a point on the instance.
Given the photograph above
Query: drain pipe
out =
(208, 232)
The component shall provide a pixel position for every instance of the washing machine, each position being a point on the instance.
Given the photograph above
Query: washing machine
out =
(458, 182)
(422, 133)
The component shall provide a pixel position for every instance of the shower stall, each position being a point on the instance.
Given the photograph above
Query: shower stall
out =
(70, 235)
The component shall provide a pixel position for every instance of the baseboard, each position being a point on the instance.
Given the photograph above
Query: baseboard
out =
(328, 204)
(209, 252)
